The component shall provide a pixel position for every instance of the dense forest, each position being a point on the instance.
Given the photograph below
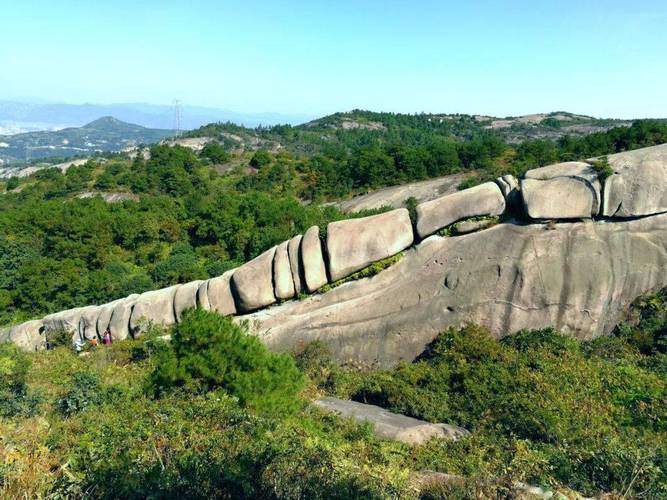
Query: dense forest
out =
(196, 215)
(213, 414)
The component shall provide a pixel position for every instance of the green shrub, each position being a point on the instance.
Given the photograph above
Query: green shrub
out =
(260, 159)
(84, 393)
(602, 168)
(208, 351)
(15, 399)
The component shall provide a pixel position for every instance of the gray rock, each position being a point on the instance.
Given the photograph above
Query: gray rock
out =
(558, 198)
(356, 243)
(314, 270)
(88, 322)
(395, 196)
(578, 278)
(104, 317)
(485, 199)
(509, 186)
(283, 282)
(639, 186)
(578, 170)
(67, 320)
(294, 251)
(220, 296)
(470, 226)
(252, 283)
(119, 323)
(155, 307)
(28, 336)
(185, 298)
(388, 425)
(202, 296)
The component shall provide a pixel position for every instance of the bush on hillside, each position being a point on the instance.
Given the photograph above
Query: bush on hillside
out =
(209, 351)
(15, 400)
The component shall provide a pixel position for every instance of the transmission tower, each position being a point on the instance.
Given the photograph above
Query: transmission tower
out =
(177, 117)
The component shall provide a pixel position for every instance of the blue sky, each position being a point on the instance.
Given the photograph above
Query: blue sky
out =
(605, 58)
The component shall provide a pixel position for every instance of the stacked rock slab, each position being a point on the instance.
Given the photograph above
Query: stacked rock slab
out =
(88, 322)
(104, 317)
(637, 187)
(219, 294)
(294, 251)
(185, 298)
(485, 199)
(27, 336)
(356, 243)
(282, 273)
(252, 283)
(567, 190)
(312, 260)
(119, 323)
(156, 307)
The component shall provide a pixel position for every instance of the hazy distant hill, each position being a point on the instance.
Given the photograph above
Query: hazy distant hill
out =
(102, 135)
(16, 116)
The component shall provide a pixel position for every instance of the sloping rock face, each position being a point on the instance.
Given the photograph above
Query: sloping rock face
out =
(356, 243)
(559, 198)
(253, 282)
(577, 278)
(388, 425)
(638, 185)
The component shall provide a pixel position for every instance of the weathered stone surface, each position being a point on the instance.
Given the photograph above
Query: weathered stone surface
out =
(558, 198)
(252, 283)
(578, 170)
(67, 320)
(119, 323)
(88, 322)
(395, 196)
(105, 316)
(639, 186)
(186, 298)
(202, 296)
(388, 425)
(470, 226)
(314, 270)
(485, 199)
(294, 251)
(28, 336)
(578, 278)
(220, 296)
(355, 243)
(156, 307)
(509, 186)
(282, 273)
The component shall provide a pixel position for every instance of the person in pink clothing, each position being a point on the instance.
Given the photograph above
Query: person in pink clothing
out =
(106, 339)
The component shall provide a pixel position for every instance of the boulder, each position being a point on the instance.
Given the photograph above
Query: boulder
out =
(156, 307)
(220, 296)
(294, 251)
(119, 323)
(88, 322)
(104, 317)
(28, 336)
(282, 273)
(578, 278)
(356, 243)
(557, 198)
(639, 185)
(388, 425)
(186, 298)
(252, 283)
(67, 320)
(202, 296)
(578, 170)
(314, 270)
(485, 199)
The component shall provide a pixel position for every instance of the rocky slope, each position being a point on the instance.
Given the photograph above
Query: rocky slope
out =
(577, 242)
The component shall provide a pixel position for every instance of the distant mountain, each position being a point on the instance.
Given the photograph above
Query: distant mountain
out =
(20, 116)
(102, 135)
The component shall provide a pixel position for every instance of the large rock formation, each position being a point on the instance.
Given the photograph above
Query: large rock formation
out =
(577, 277)
(355, 243)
